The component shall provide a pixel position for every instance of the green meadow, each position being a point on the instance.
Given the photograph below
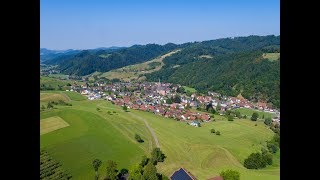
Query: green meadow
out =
(108, 133)
(193, 90)
(249, 112)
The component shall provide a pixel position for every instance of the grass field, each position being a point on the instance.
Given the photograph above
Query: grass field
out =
(52, 96)
(98, 134)
(74, 95)
(51, 124)
(248, 112)
(55, 82)
(189, 89)
(271, 56)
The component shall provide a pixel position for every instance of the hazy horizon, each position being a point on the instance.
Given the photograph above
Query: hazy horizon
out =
(93, 24)
(151, 43)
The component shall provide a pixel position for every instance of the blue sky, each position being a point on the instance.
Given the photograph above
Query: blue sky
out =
(87, 24)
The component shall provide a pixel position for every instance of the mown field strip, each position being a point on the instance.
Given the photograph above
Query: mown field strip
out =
(51, 124)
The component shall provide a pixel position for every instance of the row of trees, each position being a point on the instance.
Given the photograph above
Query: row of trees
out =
(45, 87)
(51, 103)
(145, 170)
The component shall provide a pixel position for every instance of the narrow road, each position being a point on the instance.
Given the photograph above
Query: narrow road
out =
(150, 129)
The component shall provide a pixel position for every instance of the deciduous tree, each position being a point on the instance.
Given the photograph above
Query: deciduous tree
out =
(96, 164)
(230, 175)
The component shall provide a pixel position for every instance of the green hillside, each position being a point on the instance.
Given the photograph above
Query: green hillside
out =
(229, 66)
(108, 133)
(87, 62)
(137, 71)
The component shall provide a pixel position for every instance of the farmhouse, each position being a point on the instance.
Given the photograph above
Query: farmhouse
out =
(182, 174)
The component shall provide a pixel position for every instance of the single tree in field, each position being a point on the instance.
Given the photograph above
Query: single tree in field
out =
(49, 105)
(43, 107)
(125, 108)
(230, 118)
(238, 114)
(218, 133)
(157, 156)
(254, 116)
(111, 170)
(150, 172)
(230, 175)
(218, 108)
(96, 164)
(268, 121)
(212, 131)
(144, 161)
(138, 138)
(135, 172)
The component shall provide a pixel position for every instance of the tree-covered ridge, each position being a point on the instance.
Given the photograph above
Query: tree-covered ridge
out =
(237, 66)
(87, 62)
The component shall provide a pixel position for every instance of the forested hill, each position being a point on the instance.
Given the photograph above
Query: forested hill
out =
(47, 55)
(229, 66)
(88, 61)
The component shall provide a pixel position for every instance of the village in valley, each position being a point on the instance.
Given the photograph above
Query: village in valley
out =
(148, 90)
(169, 100)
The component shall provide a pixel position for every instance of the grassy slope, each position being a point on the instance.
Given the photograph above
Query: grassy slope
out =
(206, 154)
(89, 136)
(94, 134)
(132, 72)
(248, 112)
(54, 82)
(190, 89)
(46, 96)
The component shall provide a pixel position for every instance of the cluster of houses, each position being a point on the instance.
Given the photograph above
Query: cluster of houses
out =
(157, 98)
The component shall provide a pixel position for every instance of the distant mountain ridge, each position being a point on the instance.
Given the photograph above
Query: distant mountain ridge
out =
(88, 61)
(47, 54)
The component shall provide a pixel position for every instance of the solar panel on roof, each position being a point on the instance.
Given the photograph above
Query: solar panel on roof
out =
(180, 175)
